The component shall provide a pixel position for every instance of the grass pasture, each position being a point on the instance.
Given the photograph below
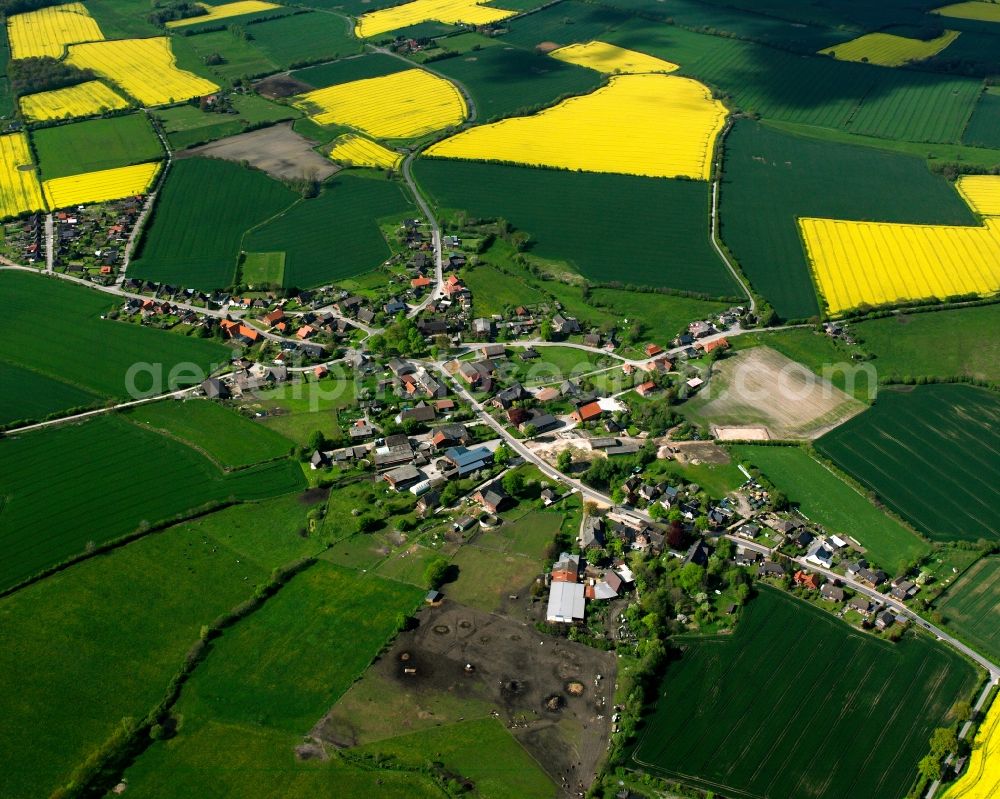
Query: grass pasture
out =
(335, 235)
(297, 410)
(509, 81)
(263, 268)
(224, 435)
(214, 202)
(72, 487)
(773, 178)
(128, 617)
(94, 145)
(568, 217)
(931, 453)
(971, 606)
(826, 499)
(73, 324)
(748, 714)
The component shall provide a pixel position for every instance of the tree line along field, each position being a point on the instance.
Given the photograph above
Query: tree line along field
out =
(569, 217)
(771, 178)
(225, 436)
(69, 488)
(826, 499)
(128, 617)
(335, 235)
(931, 453)
(765, 712)
(95, 144)
(73, 323)
(971, 606)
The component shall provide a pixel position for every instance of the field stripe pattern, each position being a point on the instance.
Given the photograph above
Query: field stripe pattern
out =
(648, 125)
(20, 191)
(981, 192)
(84, 99)
(224, 11)
(359, 151)
(974, 9)
(971, 605)
(611, 59)
(397, 106)
(889, 50)
(144, 68)
(448, 11)
(46, 32)
(101, 186)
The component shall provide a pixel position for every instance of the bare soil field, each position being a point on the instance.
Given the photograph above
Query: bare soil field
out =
(696, 452)
(762, 388)
(280, 86)
(461, 663)
(277, 150)
(740, 433)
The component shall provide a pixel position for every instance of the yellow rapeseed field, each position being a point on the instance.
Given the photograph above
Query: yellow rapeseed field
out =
(48, 30)
(889, 50)
(982, 779)
(19, 189)
(144, 68)
(101, 186)
(81, 100)
(359, 151)
(398, 106)
(656, 125)
(984, 12)
(451, 11)
(224, 11)
(981, 192)
(610, 59)
(876, 263)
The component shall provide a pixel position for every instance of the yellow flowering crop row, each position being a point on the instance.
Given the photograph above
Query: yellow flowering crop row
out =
(81, 100)
(224, 11)
(982, 779)
(877, 263)
(889, 50)
(981, 192)
(101, 186)
(46, 32)
(610, 59)
(398, 106)
(19, 189)
(450, 11)
(144, 68)
(984, 12)
(655, 125)
(359, 151)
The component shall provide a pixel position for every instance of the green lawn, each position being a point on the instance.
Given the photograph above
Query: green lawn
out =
(263, 268)
(826, 499)
(70, 487)
(494, 291)
(226, 436)
(128, 618)
(748, 714)
(932, 454)
(971, 606)
(662, 316)
(214, 203)
(296, 411)
(947, 344)
(73, 324)
(95, 144)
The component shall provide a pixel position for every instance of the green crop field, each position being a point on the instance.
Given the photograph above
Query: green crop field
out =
(983, 129)
(69, 488)
(335, 235)
(28, 395)
(239, 57)
(569, 216)
(292, 40)
(214, 203)
(771, 179)
(73, 324)
(971, 606)
(932, 454)
(128, 617)
(95, 144)
(752, 714)
(826, 499)
(374, 65)
(509, 81)
(227, 437)
(123, 19)
(304, 630)
(948, 344)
